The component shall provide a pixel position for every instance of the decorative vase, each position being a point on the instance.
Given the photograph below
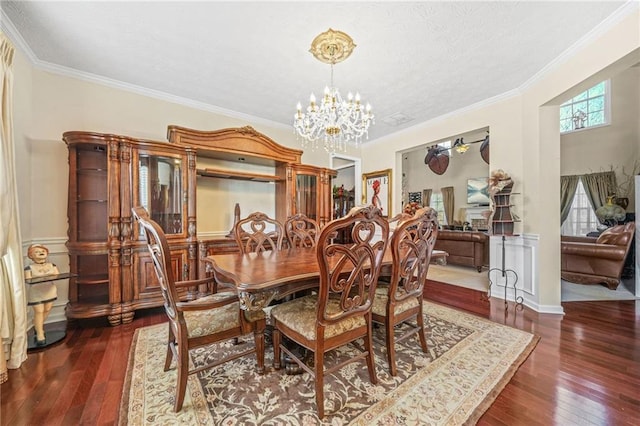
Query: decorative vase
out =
(611, 214)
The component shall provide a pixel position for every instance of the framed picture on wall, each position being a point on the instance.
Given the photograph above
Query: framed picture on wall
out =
(376, 190)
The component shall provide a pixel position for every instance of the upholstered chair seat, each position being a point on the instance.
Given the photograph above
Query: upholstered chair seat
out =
(202, 323)
(196, 323)
(398, 300)
(340, 312)
(299, 315)
(382, 299)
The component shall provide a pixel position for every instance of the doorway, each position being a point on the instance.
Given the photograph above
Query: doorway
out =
(347, 191)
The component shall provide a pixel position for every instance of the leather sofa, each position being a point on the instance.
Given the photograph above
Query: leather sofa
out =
(597, 260)
(466, 248)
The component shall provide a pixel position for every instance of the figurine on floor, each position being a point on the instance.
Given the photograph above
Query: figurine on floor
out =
(42, 295)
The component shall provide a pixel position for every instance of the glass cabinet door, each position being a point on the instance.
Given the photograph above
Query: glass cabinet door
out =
(160, 190)
(306, 195)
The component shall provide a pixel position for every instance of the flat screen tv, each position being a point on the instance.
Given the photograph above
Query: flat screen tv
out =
(478, 191)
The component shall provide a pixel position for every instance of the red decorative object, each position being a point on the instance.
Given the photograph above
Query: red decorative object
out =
(437, 159)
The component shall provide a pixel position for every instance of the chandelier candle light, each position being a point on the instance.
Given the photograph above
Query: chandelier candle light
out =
(335, 122)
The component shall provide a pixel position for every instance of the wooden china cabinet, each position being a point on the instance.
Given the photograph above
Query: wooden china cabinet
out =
(309, 190)
(299, 188)
(109, 174)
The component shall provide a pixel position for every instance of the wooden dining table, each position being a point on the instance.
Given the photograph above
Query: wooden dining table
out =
(270, 275)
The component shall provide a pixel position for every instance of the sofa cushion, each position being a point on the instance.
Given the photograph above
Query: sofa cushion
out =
(616, 235)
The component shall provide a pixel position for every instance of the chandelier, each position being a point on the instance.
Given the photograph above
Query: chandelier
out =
(460, 146)
(334, 122)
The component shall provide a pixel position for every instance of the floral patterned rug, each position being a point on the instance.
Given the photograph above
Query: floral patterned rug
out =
(469, 362)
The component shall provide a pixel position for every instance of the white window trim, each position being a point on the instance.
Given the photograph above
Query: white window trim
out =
(607, 110)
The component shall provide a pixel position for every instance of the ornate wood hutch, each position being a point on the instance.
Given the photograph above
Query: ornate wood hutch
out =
(109, 174)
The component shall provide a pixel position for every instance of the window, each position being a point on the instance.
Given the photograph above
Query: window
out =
(588, 109)
(582, 219)
(445, 144)
(436, 204)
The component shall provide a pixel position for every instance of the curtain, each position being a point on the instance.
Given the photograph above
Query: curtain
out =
(426, 197)
(598, 186)
(13, 305)
(448, 202)
(568, 185)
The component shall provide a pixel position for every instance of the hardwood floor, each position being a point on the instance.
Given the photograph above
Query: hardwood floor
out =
(585, 369)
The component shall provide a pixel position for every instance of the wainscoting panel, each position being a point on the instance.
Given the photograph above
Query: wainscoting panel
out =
(520, 256)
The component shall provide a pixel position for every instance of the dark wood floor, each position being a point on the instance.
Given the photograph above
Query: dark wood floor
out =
(585, 369)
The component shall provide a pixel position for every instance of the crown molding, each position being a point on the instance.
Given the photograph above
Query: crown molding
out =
(469, 108)
(612, 20)
(156, 94)
(7, 26)
(14, 35)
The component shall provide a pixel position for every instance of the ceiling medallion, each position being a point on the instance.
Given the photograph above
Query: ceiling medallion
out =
(332, 47)
(334, 122)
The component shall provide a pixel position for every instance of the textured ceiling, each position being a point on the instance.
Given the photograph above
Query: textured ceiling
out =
(414, 61)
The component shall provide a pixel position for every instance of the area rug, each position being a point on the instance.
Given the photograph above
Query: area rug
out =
(470, 360)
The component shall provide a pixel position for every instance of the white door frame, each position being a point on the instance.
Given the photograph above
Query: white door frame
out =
(357, 170)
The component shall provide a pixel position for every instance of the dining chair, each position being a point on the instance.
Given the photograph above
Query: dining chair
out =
(340, 312)
(301, 231)
(393, 222)
(193, 324)
(258, 232)
(399, 218)
(401, 300)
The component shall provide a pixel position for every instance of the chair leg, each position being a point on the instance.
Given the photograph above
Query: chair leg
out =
(391, 347)
(183, 375)
(319, 370)
(258, 336)
(368, 345)
(275, 337)
(171, 340)
(423, 339)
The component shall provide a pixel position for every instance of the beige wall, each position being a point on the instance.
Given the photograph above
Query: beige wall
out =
(387, 152)
(609, 147)
(62, 103)
(418, 176)
(525, 139)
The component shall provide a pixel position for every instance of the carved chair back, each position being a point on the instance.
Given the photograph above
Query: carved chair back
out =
(161, 257)
(301, 231)
(411, 247)
(349, 272)
(401, 300)
(209, 319)
(258, 232)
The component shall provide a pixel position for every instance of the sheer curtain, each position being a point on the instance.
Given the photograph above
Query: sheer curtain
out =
(598, 187)
(13, 305)
(448, 202)
(568, 185)
(426, 197)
